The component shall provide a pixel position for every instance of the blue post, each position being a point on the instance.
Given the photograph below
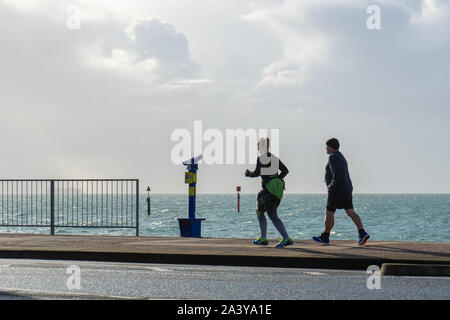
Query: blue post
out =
(192, 191)
(191, 227)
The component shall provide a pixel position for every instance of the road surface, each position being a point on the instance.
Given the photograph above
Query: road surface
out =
(42, 279)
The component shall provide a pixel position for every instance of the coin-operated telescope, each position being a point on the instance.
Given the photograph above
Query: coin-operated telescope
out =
(191, 227)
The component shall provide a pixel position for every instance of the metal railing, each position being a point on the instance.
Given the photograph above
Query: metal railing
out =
(70, 203)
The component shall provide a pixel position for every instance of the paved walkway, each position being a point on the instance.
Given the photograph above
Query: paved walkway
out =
(339, 254)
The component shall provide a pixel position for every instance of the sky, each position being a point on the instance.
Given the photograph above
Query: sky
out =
(99, 94)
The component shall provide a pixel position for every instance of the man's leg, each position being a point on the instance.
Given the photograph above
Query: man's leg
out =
(328, 225)
(355, 218)
(329, 221)
(363, 235)
(332, 202)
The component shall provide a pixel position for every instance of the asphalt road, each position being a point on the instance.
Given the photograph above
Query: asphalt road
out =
(40, 279)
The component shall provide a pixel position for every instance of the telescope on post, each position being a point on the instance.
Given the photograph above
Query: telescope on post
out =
(191, 227)
(193, 161)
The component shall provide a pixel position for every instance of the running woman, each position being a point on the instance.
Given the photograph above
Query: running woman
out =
(269, 197)
(340, 190)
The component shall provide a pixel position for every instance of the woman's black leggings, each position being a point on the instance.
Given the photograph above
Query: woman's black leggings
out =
(272, 213)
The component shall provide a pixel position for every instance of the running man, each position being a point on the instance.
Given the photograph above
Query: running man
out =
(269, 197)
(340, 191)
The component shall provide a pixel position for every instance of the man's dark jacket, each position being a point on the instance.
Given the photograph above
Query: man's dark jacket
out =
(337, 177)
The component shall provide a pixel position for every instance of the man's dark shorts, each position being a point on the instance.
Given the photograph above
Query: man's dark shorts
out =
(339, 200)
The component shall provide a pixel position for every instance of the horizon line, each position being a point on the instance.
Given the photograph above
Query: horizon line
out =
(307, 193)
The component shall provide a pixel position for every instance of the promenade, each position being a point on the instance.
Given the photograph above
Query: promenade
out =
(339, 254)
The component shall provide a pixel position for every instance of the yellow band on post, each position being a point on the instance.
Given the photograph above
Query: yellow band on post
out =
(190, 177)
(192, 191)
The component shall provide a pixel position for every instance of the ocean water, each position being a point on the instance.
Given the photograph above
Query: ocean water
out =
(388, 217)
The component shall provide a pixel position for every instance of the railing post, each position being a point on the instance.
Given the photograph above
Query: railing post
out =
(137, 208)
(52, 207)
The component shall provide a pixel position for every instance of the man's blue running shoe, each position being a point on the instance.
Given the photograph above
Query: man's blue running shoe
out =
(261, 242)
(322, 239)
(363, 238)
(284, 243)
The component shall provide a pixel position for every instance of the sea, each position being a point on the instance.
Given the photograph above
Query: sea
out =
(386, 217)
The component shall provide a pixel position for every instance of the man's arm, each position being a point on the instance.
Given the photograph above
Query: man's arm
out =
(336, 173)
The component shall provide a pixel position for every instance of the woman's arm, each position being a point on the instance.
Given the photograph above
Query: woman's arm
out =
(256, 172)
(284, 170)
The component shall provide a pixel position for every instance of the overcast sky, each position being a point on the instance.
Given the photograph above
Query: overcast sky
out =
(102, 101)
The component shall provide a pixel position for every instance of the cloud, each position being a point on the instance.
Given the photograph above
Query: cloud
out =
(317, 35)
(155, 39)
(327, 45)
(103, 100)
(126, 63)
(432, 11)
(301, 45)
(294, 66)
(153, 51)
(432, 22)
(148, 49)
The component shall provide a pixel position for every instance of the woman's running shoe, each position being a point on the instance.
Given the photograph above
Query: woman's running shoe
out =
(284, 243)
(261, 242)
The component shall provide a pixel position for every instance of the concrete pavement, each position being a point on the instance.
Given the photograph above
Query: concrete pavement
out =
(339, 254)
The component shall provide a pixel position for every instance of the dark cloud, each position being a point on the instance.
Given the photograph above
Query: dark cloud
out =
(155, 39)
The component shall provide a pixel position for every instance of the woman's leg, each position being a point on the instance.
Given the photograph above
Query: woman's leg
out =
(262, 224)
(260, 209)
(272, 212)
